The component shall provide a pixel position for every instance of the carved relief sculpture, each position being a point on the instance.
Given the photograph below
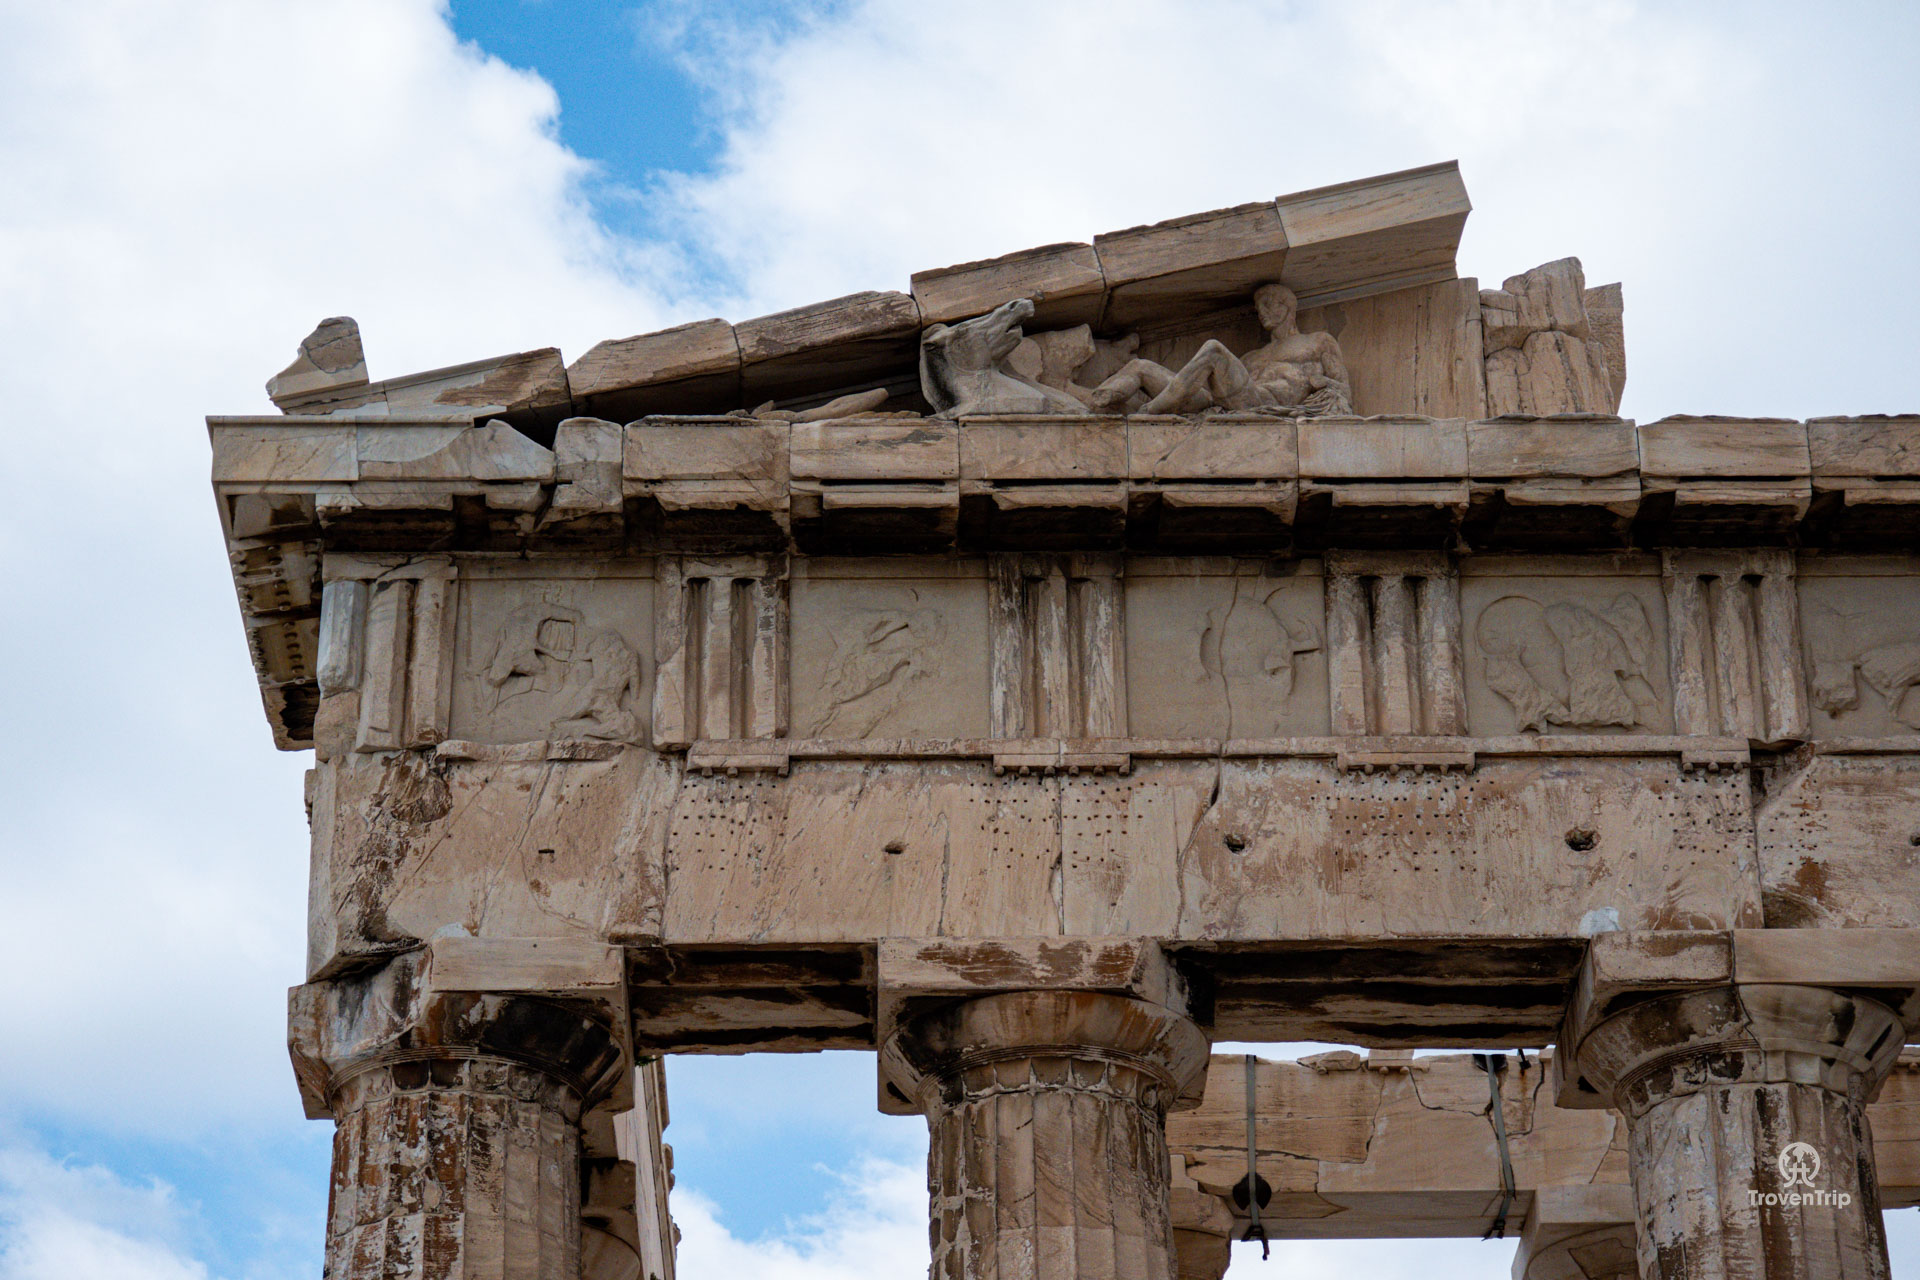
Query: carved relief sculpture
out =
(1564, 664)
(1845, 648)
(1072, 360)
(1299, 374)
(964, 369)
(1258, 641)
(592, 672)
(878, 656)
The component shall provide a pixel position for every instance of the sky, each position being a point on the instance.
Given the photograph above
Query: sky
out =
(191, 184)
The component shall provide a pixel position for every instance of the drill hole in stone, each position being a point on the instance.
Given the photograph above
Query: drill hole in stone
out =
(1914, 839)
(1582, 839)
(896, 846)
(1235, 842)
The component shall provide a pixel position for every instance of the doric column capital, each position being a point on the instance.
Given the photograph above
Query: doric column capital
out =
(1151, 1054)
(946, 1007)
(434, 1005)
(1674, 1043)
(1661, 1015)
(1046, 1113)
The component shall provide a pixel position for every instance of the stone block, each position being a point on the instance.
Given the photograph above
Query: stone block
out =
(1382, 449)
(1185, 266)
(330, 360)
(1374, 235)
(282, 451)
(1212, 449)
(1020, 448)
(1412, 351)
(860, 338)
(875, 449)
(1520, 448)
(1879, 446)
(1682, 446)
(689, 368)
(1064, 281)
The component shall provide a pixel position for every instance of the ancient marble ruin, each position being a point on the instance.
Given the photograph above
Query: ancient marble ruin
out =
(1235, 629)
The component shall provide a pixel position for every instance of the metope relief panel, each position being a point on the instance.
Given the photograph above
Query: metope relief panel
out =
(553, 657)
(1222, 650)
(901, 656)
(1861, 634)
(1572, 654)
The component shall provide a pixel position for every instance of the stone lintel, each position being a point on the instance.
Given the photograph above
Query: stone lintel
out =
(1064, 281)
(915, 973)
(1188, 265)
(864, 337)
(675, 370)
(1386, 232)
(527, 387)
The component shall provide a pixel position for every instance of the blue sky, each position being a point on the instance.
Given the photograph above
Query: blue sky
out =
(628, 100)
(192, 183)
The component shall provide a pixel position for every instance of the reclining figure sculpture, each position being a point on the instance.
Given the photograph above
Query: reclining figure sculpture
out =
(1299, 374)
(968, 368)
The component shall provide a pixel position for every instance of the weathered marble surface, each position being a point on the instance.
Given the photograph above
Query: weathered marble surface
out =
(1047, 1110)
(1394, 692)
(1737, 1099)
(1362, 1146)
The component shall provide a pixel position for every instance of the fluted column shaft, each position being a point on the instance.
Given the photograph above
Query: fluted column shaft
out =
(1699, 1159)
(1721, 1087)
(1050, 1166)
(456, 1170)
(1047, 1116)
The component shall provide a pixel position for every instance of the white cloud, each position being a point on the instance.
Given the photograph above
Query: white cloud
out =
(83, 1222)
(874, 1228)
(1744, 171)
(191, 183)
(190, 186)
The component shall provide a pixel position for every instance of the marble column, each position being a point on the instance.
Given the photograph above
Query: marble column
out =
(1748, 1142)
(457, 1149)
(455, 1168)
(1047, 1114)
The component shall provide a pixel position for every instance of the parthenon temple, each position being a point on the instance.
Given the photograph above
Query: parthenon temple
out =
(1237, 629)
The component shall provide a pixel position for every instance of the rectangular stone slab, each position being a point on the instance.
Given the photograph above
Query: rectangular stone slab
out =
(1380, 233)
(1064, 281)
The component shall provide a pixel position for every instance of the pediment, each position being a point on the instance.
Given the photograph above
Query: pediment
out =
(1166, 287)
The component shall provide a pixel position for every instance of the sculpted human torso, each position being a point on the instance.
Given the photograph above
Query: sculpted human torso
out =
(1301, 373)
(1293, 368)
(986, 365)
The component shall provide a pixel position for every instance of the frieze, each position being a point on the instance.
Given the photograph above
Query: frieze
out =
(1144, 653)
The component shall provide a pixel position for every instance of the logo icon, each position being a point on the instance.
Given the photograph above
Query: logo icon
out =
(1799, 1165)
